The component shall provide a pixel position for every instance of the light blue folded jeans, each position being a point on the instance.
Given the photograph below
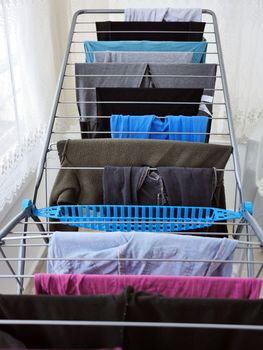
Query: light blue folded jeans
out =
(115, 246)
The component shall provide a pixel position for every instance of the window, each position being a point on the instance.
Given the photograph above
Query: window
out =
(31, 50)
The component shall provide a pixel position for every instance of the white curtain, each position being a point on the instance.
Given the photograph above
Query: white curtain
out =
(32, 42)
(253, 173)
(241, 31)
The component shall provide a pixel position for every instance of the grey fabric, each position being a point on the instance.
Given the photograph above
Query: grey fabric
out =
(142, 57)
(189, 186)
(83, 95)
(205, 73)
(132, 185)
(167, 14)
(87, 95)
(205, 77)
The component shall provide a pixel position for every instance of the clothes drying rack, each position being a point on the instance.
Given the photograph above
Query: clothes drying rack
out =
(30, 226)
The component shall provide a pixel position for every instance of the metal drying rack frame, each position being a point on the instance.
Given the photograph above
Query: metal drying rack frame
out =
(21, 237)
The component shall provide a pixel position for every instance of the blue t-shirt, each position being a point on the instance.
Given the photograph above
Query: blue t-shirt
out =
(178, 128)
(198, 48)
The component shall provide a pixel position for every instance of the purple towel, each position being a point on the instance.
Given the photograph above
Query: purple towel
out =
(169, 286)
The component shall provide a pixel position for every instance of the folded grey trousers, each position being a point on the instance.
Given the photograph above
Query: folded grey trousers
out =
(199, 76)
(80, 186)
(142, 57)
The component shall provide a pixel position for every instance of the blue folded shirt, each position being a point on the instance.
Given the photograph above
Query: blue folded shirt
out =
(199, 48)
(131, 126)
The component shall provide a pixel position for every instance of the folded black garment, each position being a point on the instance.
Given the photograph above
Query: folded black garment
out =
(187, 29)
(131, 306)
(9, 342)
(99, 308)
(152, 308)
(118, 98)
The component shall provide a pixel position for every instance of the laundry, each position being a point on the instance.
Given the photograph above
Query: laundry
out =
(143, 101)
(154, 308)
(133, 186)
(197, 47)
(106, 253)
(143, 57)
(163, 14)
(185, 76)
(155, 272)
(178, 128)
(90, 76)
(107, 31)
(32, 307)
(85, 186)
(173, 186)
(130, 306)
(168, 286)
(9, 342)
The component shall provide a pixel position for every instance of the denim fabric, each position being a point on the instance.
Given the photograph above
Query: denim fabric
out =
(133, 186)
(116, 245)
(165, 186)
(198, 47)
(128, 125)
(189, 186)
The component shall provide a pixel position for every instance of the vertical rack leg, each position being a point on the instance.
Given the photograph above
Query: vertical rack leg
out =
(21, 263)
(46, 192)
(238, 268)
(250, 256)
(9, 265)
(228, 108)
(235, 209)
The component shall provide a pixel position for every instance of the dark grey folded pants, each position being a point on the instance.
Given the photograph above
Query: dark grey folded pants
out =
(166, 186)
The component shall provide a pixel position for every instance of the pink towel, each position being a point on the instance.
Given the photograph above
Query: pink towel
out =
(169, 286)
